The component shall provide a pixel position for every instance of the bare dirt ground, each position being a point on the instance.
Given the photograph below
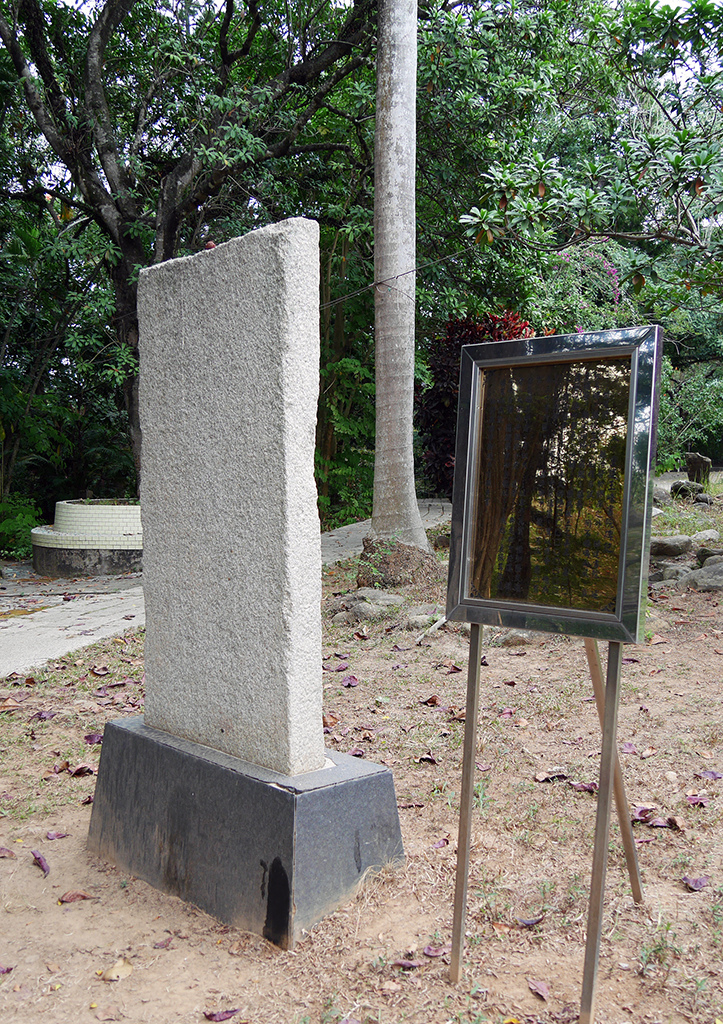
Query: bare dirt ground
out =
(532, 846)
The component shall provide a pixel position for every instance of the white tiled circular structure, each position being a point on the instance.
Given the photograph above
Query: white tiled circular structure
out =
(85, 536)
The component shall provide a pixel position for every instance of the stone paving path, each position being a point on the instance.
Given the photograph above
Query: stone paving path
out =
(42, 619)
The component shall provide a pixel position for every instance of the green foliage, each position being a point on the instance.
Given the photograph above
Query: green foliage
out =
(691, 411)
(18, 516)
(437, 404)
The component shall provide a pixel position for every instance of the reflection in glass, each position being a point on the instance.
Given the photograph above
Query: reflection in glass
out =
(547, 512)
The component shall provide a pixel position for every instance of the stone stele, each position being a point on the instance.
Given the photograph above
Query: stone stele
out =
(229, 372)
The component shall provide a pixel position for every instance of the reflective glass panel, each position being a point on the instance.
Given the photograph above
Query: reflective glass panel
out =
(547, 510)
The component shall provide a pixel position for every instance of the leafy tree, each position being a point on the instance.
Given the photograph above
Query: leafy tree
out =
(152, 119)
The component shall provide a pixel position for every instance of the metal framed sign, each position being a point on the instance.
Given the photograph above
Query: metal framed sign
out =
(552, 502)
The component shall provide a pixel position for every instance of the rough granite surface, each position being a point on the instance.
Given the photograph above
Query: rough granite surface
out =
(229, 379)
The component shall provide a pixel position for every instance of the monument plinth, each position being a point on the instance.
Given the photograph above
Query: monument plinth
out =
(224, 795)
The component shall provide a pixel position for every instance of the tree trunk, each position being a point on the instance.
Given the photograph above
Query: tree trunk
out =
(396, 513)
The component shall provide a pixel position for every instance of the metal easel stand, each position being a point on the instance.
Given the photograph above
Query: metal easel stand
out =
(611, 781)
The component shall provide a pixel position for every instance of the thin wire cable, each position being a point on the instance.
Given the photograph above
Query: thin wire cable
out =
(387, 281)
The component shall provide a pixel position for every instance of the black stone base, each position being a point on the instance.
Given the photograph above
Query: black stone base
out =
(267, 853)
(65, 562)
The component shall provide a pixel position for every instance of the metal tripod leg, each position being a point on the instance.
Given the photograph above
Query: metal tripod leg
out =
(621, 803)
(602, 828)
(466, 801)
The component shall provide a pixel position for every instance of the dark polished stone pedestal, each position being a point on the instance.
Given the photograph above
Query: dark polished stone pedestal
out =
(267, 853)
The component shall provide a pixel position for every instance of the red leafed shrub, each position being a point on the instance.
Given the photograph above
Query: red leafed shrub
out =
(437, 405)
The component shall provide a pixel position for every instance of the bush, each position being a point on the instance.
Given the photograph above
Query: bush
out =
(437, 405)
(18, 516)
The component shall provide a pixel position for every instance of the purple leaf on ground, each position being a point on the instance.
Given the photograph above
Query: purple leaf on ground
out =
(436, 950)
(164, 943)
(441, 843)
(529, 923)
(698, 800)
(357, 752)
(41, 862)
(93, 737)
(220, 1014)
(350, 681)
(539, 988)
(42, 716)
(628, 748)
(643, 812)
(630, 661)
(696, 884)
(711, 776)
(5, 970)
(4, 852)
(407, 965)
(585, 787)
(57, 835)
(341, 667)
(659, 823)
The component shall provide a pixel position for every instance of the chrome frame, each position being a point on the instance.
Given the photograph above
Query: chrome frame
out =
(644, 347)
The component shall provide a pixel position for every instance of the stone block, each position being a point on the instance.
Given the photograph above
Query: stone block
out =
(264, 852)
(229, 380)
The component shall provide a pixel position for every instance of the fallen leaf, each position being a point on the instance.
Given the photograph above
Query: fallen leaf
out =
(649, 752)
(396, 647)
(100, 670)
(164, 943)
(407, 965)
(4, 852)
(658, 823)
(349, 681)
(73, 895)
(80, 770)
(501, 927)
(658, 639)
(93, 738)
(330, 720)
(552, 775)
(220, 1014)
(349, 1020)
(5, 970)
(110, 1013)
(357, 752)
(120, 969)
(509, 682)
(696, 884)
(711, 776)
(53, 968)
(436, 950)
(406, 807)
(41, 862)
(441, 843)
(643, 812)
(507, 713)
(628, 748)
(427, 758)
(87, 799)
(539, 988)
(9, 704)
(341, 667)
(529, 922)
(431, 701)
(585, 787)
(698, 800)
(676, 824)
(42, 716)
(391, 986)
(57, 835)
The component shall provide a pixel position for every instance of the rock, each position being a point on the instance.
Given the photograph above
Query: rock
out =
(698, 467)
(441, 541)
(676, 572)
(661, 496)
(705, 553)
(391, 564)
(713, 560)
(685, 488)
(517, 638)
(670, 546)
(422, 616)
(706, 537)
(705, 579)
(703, 499)
(359, 605)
